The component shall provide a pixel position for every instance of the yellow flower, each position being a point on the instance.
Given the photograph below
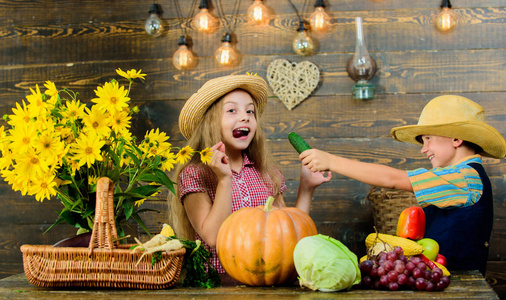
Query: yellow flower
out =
(120, 121)
(130, 74)
(73, 110)
(155, 143)
(206, 155)
(52, 92)
(21, 115)
(111, 97)
(43, 187)
(87, 149)
(168, 161)
(22, 138)
(29, 164)
(5, 159)
(49, 146)
(184, 154)
(96, 122)
(92, 180)
(37, 105)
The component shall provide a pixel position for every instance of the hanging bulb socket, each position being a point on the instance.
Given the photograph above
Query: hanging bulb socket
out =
(302, 44)
(446, 20)
(226, 55)
(258, 13)
(204, 21)
(183, 58)
(154, 25)
(319, 19)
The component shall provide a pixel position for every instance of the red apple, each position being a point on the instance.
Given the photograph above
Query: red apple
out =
(440, 259)
(430, 248)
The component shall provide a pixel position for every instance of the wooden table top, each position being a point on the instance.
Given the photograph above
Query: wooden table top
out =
(464, 285)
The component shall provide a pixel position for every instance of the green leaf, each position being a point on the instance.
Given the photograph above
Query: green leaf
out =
(128, 207)
(146, 177)
(60, 219)
(165, 180)
(139, 221)
(146, 190)
(133, 157)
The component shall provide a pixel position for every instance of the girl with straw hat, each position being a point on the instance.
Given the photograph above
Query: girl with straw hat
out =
(224, 112)
(456, 193)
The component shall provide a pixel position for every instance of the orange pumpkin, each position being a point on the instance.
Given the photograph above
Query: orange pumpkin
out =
(255, 244)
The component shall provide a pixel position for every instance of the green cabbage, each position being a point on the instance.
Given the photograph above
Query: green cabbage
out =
(324, 263)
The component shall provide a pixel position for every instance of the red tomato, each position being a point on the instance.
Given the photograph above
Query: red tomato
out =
(411, 223)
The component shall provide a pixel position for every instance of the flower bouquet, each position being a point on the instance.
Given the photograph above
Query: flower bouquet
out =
(57, 146)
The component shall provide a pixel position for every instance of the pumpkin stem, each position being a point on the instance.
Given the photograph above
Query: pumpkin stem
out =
(268, 204)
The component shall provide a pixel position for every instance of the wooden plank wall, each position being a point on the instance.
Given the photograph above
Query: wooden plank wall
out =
(79, 44)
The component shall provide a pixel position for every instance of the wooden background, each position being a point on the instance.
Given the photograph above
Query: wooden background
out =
(79, 44)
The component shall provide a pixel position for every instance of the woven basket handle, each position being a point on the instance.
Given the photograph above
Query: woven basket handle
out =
(104, 228)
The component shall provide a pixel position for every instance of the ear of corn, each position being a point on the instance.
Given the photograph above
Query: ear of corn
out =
(298, 142)
(410, 247)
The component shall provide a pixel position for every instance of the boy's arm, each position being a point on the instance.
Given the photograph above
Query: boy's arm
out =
(373, 174)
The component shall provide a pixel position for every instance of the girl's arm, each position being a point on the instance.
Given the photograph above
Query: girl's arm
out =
(373, 174)
(205, 216)
(308, 182)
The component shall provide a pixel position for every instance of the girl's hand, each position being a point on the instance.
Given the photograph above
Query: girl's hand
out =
(313, 179)
(219, 163)
(316, 160)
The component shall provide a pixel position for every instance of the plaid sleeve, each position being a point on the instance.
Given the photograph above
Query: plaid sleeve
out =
(193, 179)
(454, 186)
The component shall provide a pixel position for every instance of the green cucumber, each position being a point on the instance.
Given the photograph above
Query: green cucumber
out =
(298, 143)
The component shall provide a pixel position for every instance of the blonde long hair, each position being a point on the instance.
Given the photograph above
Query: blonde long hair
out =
(208, 133)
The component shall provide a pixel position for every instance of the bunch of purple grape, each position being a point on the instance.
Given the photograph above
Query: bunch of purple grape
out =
(393, 271)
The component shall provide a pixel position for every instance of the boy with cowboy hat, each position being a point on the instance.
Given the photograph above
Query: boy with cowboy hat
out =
(456, 193)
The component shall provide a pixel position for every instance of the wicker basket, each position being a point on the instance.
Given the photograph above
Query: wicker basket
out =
(387, 205)
(104, 263)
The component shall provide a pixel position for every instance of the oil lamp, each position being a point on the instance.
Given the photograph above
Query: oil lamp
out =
(361, 67)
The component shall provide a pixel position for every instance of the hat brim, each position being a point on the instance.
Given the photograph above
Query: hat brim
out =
(479, 133)
(196, 106)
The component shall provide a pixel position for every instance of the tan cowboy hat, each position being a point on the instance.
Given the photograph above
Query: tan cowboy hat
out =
(456, 117)
(194, 109)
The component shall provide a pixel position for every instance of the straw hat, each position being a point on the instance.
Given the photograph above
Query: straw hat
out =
(455, 117)
(194, 109)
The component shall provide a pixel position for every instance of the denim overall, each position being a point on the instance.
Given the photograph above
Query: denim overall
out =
(463, 233)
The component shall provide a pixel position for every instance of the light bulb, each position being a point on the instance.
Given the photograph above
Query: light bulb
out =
(258, 13)
(183, 58)
(226, 55)
(204, 21)
(154, 25)
(302, 44)
(319, 19)
(361, 67)
(446, 20)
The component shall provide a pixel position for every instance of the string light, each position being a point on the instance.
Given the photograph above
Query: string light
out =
(258, 13)
(226, 55)
(303, 45)
(319, 19)
(183, 58)
(154, 25)
(446, 20)
(204, 21)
